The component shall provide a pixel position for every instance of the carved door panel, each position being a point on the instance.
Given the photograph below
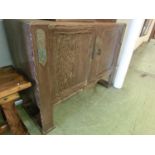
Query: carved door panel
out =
(63, 58)
(108, 38)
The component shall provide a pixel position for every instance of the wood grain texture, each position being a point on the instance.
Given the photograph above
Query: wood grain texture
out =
(9, 98)
(13, 120)
(71, 57)
(11, 82)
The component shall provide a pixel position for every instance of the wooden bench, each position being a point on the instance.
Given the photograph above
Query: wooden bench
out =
(11, 83)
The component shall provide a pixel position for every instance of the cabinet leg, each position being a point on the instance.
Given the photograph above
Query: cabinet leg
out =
(104, 83)
(12, 118)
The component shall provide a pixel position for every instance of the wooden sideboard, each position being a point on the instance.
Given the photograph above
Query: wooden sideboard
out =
(63, 57)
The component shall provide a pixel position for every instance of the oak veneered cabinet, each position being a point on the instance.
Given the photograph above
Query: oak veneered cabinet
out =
(63, 57)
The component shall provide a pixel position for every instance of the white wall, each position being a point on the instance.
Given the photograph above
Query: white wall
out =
(130, 42)
(145, 38)
(140, 40)
(132, 32)
(5, 58)
(126, 21)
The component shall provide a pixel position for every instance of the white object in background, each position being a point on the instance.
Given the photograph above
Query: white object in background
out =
(132, 33)
(18, 102)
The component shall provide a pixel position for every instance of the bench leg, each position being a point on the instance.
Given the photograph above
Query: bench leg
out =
(12, 118)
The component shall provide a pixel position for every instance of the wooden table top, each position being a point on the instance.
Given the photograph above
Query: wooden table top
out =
(11, 82)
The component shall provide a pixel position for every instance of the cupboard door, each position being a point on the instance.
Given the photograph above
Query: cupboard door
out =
(71, 49)
(108, 39)
(63, 57)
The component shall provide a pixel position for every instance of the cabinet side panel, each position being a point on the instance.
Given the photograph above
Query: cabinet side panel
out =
(20, 44)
